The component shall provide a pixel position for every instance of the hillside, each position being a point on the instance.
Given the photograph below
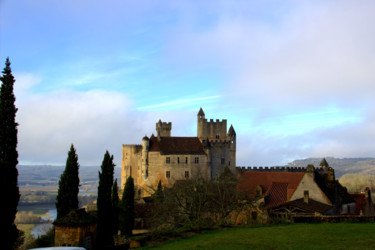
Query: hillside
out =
(342, 166)
(46, 178)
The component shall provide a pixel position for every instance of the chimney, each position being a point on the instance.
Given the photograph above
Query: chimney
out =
(306, 196)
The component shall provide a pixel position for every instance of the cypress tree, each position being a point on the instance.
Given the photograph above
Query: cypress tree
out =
(159, 194)
(67, 195)
(127, 208)
(8, 159)
(115, 207)
(105, 230)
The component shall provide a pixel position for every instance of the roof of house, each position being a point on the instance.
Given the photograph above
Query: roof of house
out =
(176, 145)
(249, 181)
(310, 206)
(277, 194)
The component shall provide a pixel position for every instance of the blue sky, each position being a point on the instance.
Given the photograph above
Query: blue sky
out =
(295, 78)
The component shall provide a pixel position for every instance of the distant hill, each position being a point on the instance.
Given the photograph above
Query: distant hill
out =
(47, 178)
(341, 165)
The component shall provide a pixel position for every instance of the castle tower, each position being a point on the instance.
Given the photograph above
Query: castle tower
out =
(163, 129)
(210, 129)
(144, 164)
(232, 136)
(200, 120)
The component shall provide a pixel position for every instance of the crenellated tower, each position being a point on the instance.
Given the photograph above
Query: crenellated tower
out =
(163, 129)
(219, 144)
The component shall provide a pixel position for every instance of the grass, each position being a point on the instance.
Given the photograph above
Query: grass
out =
(293, 236)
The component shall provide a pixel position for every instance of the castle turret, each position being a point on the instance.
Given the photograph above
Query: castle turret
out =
(163, 129)
(145, 147)
(200, 120)
(232, 137)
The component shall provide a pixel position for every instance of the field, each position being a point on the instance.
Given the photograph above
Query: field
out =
(293, 236)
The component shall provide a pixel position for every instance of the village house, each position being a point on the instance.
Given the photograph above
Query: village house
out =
(297, 191)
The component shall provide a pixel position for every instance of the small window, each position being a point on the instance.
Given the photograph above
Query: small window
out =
(186, 174)
(178, 160)
(186, 160)
(168, 174)
(196, 160)
(222, 160)
(168, 160)
(217, 136)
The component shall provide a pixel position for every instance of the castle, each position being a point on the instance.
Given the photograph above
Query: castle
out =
(169, 158)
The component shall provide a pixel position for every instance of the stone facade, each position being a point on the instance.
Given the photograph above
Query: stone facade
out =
(168, 158)
(78, 229)
(76, 236)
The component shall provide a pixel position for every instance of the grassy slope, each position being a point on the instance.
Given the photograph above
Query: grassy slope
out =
(295, 236)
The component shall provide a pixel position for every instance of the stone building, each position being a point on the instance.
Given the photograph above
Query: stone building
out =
(170, 158)
(76, 229)
(296, 191)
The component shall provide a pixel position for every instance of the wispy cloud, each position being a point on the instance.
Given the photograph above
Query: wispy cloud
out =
(180, 103)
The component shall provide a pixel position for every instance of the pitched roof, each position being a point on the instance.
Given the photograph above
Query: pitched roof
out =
(278, 193)
(324, 163)
(311, 206)
(278, 185)
(200, 113)
(231, 131)
(176, 145)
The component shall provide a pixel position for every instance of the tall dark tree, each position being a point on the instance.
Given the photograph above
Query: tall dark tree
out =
(159, 194)
(67, 195)
(127, 208)
(8, 159)
(105, 230)
(115, 207)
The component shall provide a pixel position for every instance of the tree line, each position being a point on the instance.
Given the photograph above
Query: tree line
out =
(112, 215)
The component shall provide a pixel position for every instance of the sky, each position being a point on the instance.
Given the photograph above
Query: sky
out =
(295, 78)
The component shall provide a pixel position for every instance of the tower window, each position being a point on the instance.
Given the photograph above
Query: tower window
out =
(196, 160)
(186, 160)
(168, 174)
(178, 160)
(168, 160)
(186, 174)
(222, 160)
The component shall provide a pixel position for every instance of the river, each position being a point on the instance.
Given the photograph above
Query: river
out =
(43, 228)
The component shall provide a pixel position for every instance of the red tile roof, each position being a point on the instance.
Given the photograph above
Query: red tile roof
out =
(277, 186)
(277, 194)
(176, 145)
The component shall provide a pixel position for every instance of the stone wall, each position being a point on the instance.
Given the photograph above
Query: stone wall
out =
(79, 236)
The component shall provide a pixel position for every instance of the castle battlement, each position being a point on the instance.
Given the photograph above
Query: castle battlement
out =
(131, 145)
(272, 169)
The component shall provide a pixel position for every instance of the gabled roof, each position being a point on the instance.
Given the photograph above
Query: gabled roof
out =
(278, 186)
(312, 205)
(176, 145)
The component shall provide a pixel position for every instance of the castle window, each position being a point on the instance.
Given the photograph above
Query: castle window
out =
(168, 174)
(222, 160)
(168, 160)
(178, 160)
(186, 174)
(217, 136)
(186, 160)
(196, 160)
